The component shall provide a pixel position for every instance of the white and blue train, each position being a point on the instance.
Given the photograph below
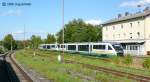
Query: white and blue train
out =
(101, 48)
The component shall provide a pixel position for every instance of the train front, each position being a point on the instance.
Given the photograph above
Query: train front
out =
(119, 49)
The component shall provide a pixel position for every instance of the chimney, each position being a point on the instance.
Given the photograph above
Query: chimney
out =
(119, 15)
(126, 13)
(138, 12)
(146, 9)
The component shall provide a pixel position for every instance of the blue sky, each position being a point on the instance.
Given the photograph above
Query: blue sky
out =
(44, 16)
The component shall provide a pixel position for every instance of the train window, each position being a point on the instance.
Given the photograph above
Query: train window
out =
(99, 47)
(71, 47)
(109, 48)
(117, 47)
(53, 46)
(48, 47)
(44, 46)
(62, 46)
(83, 47)
(58, 46)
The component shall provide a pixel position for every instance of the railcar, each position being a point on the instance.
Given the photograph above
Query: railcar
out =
(48, 47)
(101, 48)
(72, 48)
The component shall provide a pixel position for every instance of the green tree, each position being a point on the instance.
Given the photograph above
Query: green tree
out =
(50, 39)
(1, 43)
(20, 44)
(26, 44)
(35, 41)
(1, 50)
(78, 31)
(8, 40)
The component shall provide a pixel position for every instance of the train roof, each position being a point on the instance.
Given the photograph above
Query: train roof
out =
(85, 43)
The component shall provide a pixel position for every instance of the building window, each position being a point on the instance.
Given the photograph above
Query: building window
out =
(113, 35)
(122, 26)
(106, 28)
(113, 27)
(133, 47)
(106, 35)
(118, 35)
(138, 34)
(130, 35)
(124, 35)
(131, 25)
(138, 22)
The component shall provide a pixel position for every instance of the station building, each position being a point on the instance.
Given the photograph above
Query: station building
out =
(131, 30)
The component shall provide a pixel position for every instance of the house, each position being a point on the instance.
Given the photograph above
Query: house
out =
(131, 30)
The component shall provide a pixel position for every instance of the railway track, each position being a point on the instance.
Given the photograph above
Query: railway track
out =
(21, 75)
(139, 78)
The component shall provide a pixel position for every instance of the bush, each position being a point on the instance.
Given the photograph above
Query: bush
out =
(146, 63)
(128, 59)
(116, 59)
(1, 50)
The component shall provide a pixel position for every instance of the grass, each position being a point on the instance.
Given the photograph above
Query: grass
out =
(45, 62)
(98, 62)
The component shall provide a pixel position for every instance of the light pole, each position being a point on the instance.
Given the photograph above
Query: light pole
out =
(24, 35)
(56, 41)
(63, 30)
(11, 42)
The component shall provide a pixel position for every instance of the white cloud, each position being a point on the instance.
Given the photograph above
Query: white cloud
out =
(11, 13)
(135, 3)
(93, 22)
(18, 32)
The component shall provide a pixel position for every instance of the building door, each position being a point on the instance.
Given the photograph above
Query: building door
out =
(133, 49)
(141, 50)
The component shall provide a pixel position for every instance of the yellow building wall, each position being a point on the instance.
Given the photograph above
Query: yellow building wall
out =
(147, 33)
(120, 33)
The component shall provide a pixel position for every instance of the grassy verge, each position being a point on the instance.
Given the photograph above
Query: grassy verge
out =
(98, 62)
(46, 63)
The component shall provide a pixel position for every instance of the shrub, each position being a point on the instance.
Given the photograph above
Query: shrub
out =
(128, 59)
(146, 63)
(116, 59)
(1, 50)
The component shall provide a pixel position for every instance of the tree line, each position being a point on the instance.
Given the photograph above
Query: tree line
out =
(75, 31)
(78, 31)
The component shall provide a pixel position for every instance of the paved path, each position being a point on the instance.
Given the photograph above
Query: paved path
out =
(3, 72)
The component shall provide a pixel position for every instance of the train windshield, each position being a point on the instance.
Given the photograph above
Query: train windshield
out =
(117, 47)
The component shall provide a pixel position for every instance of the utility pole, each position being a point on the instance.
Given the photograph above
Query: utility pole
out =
(24, 36)
(11, 41)
(63, 30)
